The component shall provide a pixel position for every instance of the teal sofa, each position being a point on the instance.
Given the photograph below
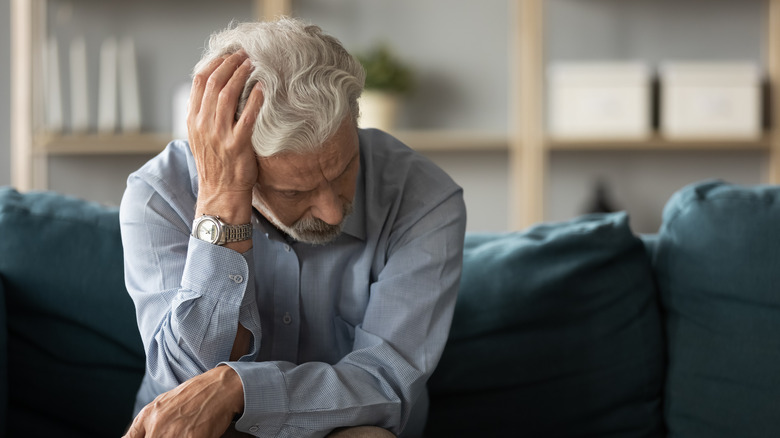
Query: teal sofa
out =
(572, 329)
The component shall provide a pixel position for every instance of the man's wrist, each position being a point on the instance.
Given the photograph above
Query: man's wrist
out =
(232, 382)
(234, 208)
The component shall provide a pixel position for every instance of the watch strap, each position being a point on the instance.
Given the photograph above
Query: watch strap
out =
(237, 233)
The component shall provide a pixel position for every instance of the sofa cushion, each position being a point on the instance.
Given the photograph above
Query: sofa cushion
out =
(75, 355)
(717, 266)
(556, 332)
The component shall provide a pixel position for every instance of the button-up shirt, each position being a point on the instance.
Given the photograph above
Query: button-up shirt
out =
(342, 334)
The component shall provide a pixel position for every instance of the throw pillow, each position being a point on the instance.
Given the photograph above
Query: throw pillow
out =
(717, 265)
(556, 332)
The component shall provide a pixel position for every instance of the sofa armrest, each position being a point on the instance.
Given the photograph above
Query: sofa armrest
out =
(3, 363)
(71, 329)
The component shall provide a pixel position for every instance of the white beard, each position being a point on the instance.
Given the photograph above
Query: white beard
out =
(307, 230)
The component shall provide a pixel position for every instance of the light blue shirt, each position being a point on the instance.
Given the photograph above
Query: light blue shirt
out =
(343, 334)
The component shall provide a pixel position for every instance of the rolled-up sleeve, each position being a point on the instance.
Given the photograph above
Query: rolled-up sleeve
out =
(189, 295)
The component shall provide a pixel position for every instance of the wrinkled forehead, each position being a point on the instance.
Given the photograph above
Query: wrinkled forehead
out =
(303, 171)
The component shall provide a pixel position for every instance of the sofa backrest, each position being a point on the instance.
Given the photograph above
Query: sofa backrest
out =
(716, 259)
(75, 358)
(556, 332)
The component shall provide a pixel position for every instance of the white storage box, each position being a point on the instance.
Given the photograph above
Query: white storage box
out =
(599, 100)
(710, 100)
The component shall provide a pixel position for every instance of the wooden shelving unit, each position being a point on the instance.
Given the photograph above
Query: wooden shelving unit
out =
(530, 146)
(99, 144)
(451, 141)
(658, 143)
(31, 149)
(527, 144)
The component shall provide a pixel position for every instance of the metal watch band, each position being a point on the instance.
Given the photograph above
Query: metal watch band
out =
(237, 233)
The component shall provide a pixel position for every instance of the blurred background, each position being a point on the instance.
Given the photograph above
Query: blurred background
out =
(469, 92)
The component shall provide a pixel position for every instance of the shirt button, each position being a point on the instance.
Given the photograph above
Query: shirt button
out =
(287, 248)
(237, 278)
(253, 429)
(287, 319)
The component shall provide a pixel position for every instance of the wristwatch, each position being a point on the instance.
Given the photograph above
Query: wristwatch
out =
(211, 229)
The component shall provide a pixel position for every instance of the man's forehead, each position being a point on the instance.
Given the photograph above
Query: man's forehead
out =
(289, 169)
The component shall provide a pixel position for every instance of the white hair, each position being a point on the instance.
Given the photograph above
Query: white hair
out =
(310, 82)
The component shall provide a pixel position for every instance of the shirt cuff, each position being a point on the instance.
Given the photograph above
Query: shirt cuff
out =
(265, 397)
(217, 272)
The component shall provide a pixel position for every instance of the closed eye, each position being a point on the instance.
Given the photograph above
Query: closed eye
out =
(290, 193)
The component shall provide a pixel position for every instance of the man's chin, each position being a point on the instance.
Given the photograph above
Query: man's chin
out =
(308, 230)
(316, 231)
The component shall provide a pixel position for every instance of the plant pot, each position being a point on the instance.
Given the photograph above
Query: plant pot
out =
(378, 109)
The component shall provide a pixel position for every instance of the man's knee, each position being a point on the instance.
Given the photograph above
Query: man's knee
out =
(361, 432)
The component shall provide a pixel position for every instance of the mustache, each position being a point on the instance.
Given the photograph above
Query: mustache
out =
(317, 231)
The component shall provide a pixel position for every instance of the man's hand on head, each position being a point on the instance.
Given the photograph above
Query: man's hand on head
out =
(222, 147)
(202, 407)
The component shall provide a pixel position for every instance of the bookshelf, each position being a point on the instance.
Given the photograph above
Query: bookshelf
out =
(527, 143)
(31, 147)
(530, 144)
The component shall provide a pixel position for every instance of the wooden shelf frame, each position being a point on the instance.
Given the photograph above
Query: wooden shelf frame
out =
(529, 153)
(30, 149)
(453, 140)
(773, 70)
(658, 143)
(527, 143)
(100, 144)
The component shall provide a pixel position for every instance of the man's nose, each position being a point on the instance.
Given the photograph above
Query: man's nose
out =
(328, 206)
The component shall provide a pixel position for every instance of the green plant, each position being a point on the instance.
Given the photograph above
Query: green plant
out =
(384, 71)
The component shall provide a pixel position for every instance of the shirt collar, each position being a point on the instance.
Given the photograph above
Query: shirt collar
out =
(355, 223)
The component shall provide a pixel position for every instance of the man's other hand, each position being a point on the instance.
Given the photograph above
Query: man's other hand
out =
(202, 407)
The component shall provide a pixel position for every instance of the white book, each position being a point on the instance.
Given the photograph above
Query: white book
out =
(53, 88)
(129, 99)
(79, 94)
(107, 97)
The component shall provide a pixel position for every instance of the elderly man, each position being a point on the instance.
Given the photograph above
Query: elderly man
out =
(293, 275)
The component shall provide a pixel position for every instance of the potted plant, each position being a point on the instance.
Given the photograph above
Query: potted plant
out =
(387, 80)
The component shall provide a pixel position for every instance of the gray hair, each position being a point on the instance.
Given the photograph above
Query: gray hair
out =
(310, 82)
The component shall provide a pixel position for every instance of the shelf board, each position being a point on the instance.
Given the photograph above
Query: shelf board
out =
(424, 140)
(100, 144)
(658, 142)
(453, 140)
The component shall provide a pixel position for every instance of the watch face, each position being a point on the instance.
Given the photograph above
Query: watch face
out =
(207, 230)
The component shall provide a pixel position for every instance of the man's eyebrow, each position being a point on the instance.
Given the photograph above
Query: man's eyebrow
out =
(346, 166)
(354, 156)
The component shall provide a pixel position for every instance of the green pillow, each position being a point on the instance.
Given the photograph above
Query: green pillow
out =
(75, 355)
(717, 265)
(556, 333)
